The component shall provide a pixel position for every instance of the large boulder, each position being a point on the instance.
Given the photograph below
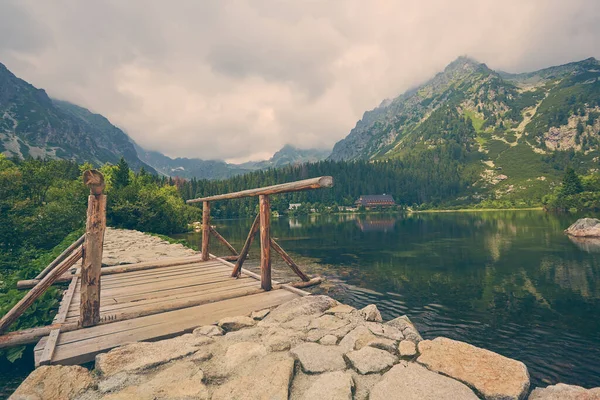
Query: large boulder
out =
(331, 386)
(409, 381)
(54, 383)
(369, 360)
(494, 376)
(239, 353)
(585, 227)
(316, 358)
(269, 379)
(143, 355)
(301, 306)
(565, 392)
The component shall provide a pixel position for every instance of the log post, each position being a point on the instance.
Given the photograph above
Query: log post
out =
(92, 249)
(244, 253)
(205, 230)
(265, 242)
(286, 257)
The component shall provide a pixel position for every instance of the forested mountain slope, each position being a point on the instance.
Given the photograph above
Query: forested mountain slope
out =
(504, 134)
(32, 124)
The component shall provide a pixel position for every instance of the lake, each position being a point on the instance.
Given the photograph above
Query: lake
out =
(508, 281)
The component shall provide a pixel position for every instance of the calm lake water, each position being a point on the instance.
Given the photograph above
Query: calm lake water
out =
(511, 281)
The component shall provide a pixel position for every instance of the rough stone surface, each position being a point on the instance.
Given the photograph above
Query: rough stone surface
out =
(341, 309)
(409, 381)
(407, 348)
(384, 344)
(369, 360)
(269, 379)
(308, 305)
(236, 323)
(124, 246)
(407, 328)
(331, 386)
(178, 380)
(492, 375)
(565, 392)
(144, 355)
(242, 352)
(391, 332)
(371, 313)
(316, 358)
(54, 382)
(585, 227)
(208, 330)
(329, 340)
(356, 339)
(261, 314)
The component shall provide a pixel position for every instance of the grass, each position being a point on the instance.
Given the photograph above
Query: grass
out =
(476, 120)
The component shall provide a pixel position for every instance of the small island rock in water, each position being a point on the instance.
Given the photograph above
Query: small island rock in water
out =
(585, 227)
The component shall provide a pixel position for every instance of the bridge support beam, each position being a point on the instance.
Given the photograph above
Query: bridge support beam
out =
(205, 230)
(92, 249)
(265, 242)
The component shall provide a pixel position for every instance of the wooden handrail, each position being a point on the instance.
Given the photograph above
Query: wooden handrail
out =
(314, 183)
(61, 257)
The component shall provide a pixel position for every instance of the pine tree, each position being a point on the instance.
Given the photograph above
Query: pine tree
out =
(571, 183)
(122, 174)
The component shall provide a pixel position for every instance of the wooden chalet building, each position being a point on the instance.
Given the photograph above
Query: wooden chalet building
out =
(375, 201)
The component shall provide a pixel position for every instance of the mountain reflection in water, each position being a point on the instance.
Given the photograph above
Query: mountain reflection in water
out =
(511, 281)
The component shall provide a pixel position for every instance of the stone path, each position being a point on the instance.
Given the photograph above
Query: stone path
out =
(124, 246)
(308, 348)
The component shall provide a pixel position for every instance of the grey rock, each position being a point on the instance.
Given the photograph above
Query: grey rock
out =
(405, 325)
(236, 323)
(302, 306)
(341, 309)
(584, 227)
(54, 382)
(329, 340)
(491, 374)
(391, 332)
(208, 330)
(316, 358)
(336, 385)
(244, 335)
(356, 339)
(371, 313)
(369, 360)
(201, 355)
(407, 348)
(268, 379)
(261, 314)
(565, 392)
(239, 353)
(409, 381)
(384, 344)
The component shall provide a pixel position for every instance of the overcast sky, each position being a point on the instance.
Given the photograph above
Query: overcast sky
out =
(239, 79)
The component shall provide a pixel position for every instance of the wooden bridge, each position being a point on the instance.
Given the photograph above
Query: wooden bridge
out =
(104, 308)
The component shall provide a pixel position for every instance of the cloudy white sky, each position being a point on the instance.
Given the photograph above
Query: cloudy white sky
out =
(239, 79)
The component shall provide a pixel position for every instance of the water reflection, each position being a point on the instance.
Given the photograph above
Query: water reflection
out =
(591, 245)
(508, 281)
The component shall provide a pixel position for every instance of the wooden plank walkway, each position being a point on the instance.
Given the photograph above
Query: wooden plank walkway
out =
(204, 289)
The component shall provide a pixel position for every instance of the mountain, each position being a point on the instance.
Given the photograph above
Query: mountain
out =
(505, 132)
(33, 124)
(216, 169)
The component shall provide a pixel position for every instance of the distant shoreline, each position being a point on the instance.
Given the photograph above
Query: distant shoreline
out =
(478, 210)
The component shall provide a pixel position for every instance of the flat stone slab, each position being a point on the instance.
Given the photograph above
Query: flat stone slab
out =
(407, 348)
(409, 381)
(565, 392)
(494, 376)
(302, 306)
(369, 360)
(341, 309)
(331, 386)
(316, 358)
(54, 382)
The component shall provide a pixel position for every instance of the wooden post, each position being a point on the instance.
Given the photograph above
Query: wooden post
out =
(289, 260)
(265, 242)
(92, 249)
(244, 253)
(205, 230)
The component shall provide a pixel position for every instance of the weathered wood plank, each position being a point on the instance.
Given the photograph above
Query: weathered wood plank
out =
(82, 346)
(265, 242)
(289, 260)
(314, 183)
(244, 253)
(46, 356)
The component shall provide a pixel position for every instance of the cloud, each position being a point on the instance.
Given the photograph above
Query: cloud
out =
(239, 79)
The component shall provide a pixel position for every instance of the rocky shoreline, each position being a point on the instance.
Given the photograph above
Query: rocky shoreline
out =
(309, 348)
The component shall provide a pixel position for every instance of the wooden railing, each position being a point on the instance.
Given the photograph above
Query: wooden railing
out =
(262, 222)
